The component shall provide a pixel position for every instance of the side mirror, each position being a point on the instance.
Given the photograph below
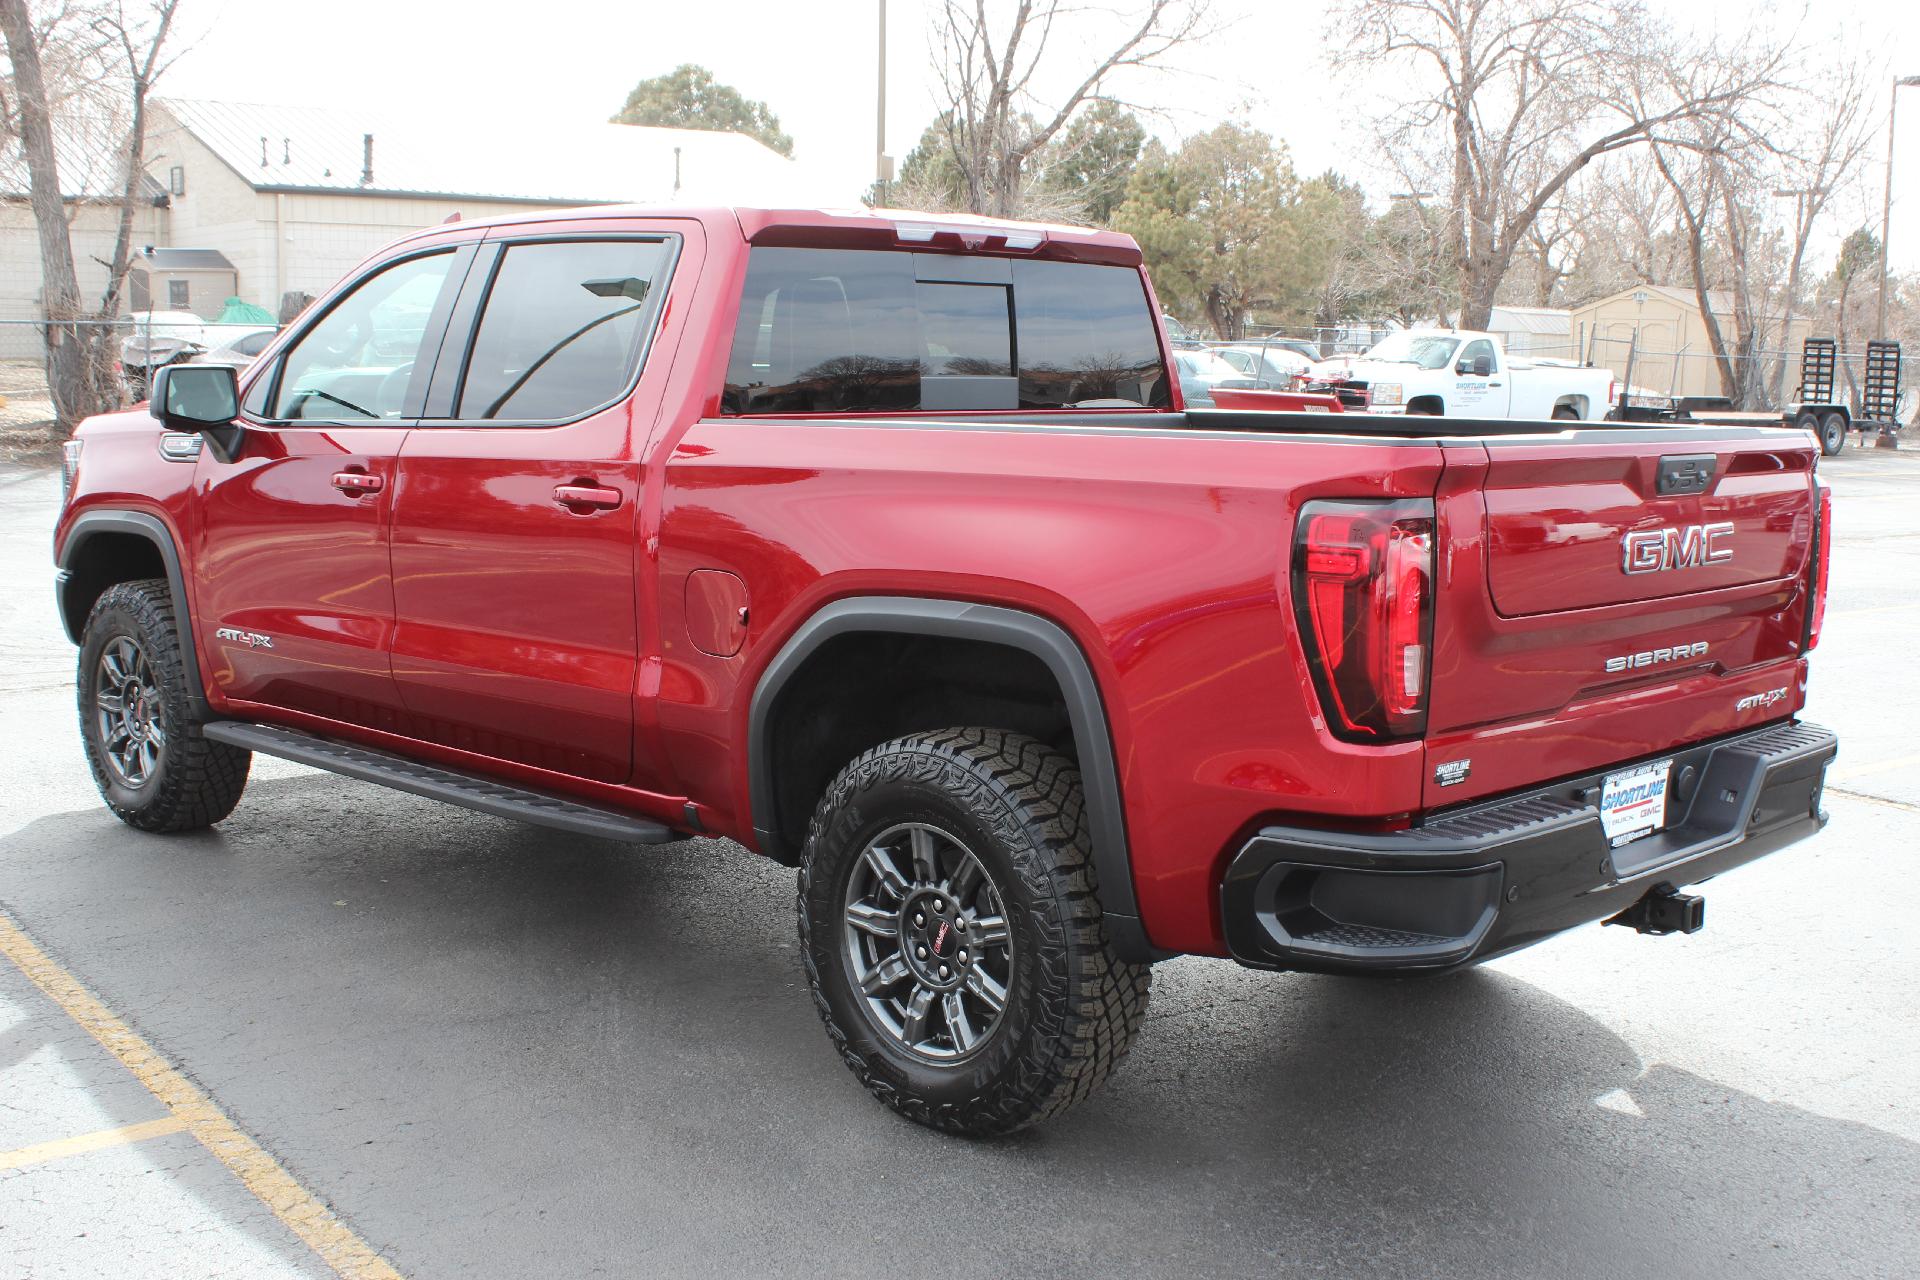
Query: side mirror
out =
(202, 399)
(1482, 366)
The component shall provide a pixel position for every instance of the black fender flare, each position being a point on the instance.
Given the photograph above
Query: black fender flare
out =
(89, 524)
(965, 620)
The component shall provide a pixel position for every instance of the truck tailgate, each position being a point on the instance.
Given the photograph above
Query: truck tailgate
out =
(1589, 611)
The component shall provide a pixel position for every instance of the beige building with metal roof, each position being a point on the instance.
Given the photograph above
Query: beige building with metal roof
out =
(1673, 355)
(291, 198)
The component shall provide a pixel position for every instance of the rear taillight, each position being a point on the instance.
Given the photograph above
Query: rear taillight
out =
(69, 469)
(1822, 557)
(1363, 594)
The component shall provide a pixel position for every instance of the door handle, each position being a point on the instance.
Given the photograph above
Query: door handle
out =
(357, 483)
(1493, 384)
(581, 498)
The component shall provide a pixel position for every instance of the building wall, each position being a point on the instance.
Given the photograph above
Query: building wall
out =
(284, 242)
(92, 230)
(1675, 355)
(326, 236)
(216, 209)
(1667, 329)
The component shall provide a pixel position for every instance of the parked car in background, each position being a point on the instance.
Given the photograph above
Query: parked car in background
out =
(1178, 334)
(1200, 370)
(1464, 373)
(238, 347)
(1305, 348)
(1271, 363)
(157, 339)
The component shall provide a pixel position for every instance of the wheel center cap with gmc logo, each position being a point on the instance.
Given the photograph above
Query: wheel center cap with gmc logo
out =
(943, 941)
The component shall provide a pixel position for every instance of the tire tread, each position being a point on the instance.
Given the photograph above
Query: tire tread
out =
(1032, 793)
(202, 780)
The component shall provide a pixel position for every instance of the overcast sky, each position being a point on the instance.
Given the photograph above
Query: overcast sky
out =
(814, 63)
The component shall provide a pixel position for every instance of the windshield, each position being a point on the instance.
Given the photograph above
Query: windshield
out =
(1427, 350)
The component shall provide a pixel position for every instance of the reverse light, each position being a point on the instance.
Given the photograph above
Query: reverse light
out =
(1822, 557)
(69, 469)
(1363, 596)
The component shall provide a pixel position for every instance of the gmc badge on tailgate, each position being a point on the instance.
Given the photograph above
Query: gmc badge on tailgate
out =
(1679, 547)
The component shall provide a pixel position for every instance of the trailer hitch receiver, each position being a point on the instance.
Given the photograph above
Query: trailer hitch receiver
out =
(1664, 911)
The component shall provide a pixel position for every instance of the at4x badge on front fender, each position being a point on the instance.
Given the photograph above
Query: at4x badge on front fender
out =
(251, 639)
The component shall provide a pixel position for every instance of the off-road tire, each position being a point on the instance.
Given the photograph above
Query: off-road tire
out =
(195, 782)
(1072, 1007)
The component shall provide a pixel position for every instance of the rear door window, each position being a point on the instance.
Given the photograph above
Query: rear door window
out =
(562, 329)
(839, 331)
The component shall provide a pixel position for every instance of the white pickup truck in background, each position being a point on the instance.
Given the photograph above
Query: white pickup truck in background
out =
(1461, 373)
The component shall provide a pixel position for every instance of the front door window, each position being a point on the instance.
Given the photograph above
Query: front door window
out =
(358, 364)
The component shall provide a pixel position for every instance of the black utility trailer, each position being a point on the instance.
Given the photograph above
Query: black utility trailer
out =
(1816, 406)
(1820, 409)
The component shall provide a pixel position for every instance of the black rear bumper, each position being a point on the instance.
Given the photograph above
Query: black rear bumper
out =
(1473, 883)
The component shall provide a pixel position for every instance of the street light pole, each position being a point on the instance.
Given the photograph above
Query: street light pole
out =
(1886, 203)
(882, 175)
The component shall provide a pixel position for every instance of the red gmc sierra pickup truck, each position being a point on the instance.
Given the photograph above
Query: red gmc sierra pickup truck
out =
(882, 544)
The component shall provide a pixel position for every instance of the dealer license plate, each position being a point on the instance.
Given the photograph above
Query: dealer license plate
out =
(1633, 802)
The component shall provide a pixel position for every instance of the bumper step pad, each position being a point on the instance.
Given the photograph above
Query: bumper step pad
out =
(1464, 886)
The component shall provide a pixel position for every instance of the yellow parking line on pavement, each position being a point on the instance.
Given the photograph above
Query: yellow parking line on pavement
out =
(303, 1212)
(98, 1140)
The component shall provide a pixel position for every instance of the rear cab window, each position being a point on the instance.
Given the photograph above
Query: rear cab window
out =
(857, 331)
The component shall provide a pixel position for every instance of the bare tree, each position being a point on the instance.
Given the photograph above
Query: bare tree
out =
(1510, 100)
(992, 118)
(1727, 177)
(1819, 165)
(109, 56)
(1406, 247)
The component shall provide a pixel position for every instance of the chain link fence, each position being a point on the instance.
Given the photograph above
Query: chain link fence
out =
(136, 346)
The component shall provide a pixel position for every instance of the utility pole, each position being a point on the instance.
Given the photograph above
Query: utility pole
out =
(1801, 198)
(1886, 203)
(882, 163)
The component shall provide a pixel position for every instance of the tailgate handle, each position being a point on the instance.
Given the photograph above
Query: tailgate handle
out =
(1685, 473)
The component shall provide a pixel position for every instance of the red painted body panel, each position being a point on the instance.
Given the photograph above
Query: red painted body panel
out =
(1278, 401)
(1163, 560)
(1555, 522)
(601, 652)
(1530, 696)
(280, 550)
(517, 633)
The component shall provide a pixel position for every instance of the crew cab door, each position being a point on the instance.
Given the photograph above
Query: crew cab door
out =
(516, 524)
(290, 541)
(1481, 386)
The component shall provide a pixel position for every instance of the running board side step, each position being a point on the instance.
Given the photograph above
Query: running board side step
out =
(468, 790)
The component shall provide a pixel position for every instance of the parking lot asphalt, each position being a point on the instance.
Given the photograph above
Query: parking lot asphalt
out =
(493, 1050)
